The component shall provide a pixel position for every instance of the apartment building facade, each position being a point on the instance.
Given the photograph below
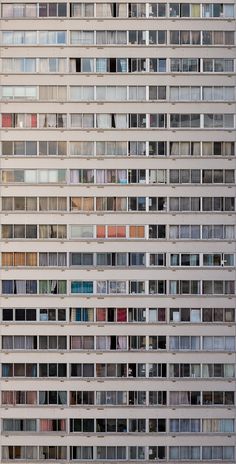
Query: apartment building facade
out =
(117, 231)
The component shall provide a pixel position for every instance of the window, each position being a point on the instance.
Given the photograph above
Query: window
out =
(157, 398)
(157, 231)
(81, 148)
(52, 287)
(52, 65)
(81, 37)
(19, 120)
(218, 370)
(137, 92)
(111, 398)
(52, 370)
(52, 342)
(157, 287)
(52, 315)
(136, 314)
(218, 343)
(81, 370)
(52, 120)
(158, 120)
(18, 425)
(184, 370)
(184, 204)
(219, 120)
(51, 148)
(112, 259)
(52, 425)
(218, 65)
(52, 9)
(184, 452)
(20, 65)
(217, 10)
(19, 259)
(82, 342)
(52, 452)
(19, 287)
(17, 148)
(111, 148)
(111, 287)
(52, 37)
(81, 204)
(111, 204)
(82, 425)
(19, 397)
(192, 315)
(52, 92)
(81, 397)
(185, 425)
(185, 64)
(81, 259)
(217, 176)
(19, 314)
(136, 10)
(82, 287)
(156, 452)
(19, 342)
(185, 120)
(21, 452)
(185, 398)
(218, 452)
(12, 10)
(82, 10)
(157, 10)
(19, 37)
(19, 231)
(217, 398)
(189, 343)
(217, 149)
(111, 314)
(184, 259)
(52, 231)
(218, 259)
(34, 176)
(157, 148)
(218, 315)
(157, 203)
(19, 370)
(19, 92)
(185, 287)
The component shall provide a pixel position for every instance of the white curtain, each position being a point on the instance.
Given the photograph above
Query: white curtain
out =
(103, 121)
(20, 286)
(77, 231)
(7, 342)
(101, 286)
(122, 176)
(120, 121)
(101, 343)
(122, 342)
(195, 315)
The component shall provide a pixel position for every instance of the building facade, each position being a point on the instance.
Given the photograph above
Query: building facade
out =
(117, 231)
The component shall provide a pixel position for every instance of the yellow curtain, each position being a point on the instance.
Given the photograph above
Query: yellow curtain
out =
(195, 10)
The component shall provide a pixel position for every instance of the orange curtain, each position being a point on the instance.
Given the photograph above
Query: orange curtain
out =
(19, 259)
(7, 259)
(100, 231)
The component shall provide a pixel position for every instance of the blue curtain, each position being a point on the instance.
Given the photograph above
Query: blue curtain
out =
(7, 286)
(80, 286)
